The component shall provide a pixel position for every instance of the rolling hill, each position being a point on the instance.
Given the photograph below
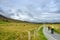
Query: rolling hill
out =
(6, 19)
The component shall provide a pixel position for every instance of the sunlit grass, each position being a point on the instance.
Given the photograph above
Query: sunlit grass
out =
(17, 31)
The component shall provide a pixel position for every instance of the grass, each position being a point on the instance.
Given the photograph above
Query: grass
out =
(57, 28)
(18, 26)
(41, 35)
(13, 36)
(17, 31)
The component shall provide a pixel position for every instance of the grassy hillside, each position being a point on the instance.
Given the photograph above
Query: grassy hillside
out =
(5, 19)
(17, 30)
(10, 23)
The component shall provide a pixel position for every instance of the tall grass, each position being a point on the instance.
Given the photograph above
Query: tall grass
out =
(17, 31)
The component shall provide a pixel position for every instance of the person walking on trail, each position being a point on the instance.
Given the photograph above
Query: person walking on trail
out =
(48, 27)
(52, 29)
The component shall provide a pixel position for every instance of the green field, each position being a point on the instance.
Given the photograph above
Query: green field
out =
(18, 31)
(12, 30)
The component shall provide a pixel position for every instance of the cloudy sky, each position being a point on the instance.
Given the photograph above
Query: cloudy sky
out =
(31, 10)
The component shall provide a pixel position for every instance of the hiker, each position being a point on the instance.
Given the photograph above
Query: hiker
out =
(52, 29)
(49, 27)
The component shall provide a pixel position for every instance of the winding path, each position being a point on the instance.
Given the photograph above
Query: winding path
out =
(50, 36)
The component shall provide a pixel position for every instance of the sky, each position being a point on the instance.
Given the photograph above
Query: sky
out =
(31, 10)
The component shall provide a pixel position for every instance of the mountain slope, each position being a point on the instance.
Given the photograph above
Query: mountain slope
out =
(5, 19)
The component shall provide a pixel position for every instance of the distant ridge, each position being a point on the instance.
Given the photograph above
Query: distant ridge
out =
(5, 19)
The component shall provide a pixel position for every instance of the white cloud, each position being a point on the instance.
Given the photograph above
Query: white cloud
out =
(32, 10)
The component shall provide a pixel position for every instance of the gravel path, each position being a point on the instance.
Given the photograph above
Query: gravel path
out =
(50, 36)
